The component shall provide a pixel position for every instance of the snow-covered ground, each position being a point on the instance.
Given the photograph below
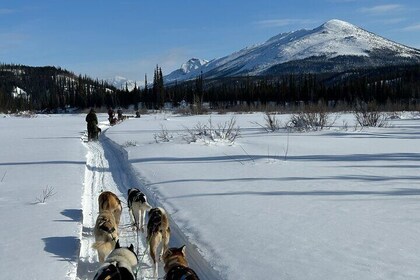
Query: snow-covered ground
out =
(334, 204)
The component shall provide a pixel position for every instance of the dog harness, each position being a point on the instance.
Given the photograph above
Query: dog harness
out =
(109, 272)
(181, 273)
(155, 220)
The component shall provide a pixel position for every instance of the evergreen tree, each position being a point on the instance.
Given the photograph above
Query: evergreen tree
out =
(158, 87)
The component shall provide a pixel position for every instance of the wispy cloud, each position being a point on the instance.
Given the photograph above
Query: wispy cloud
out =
(393, 20)
(9, 41)
(383, 9)
(389, 20)
(415, 27)
(283, 22)
(6, 11)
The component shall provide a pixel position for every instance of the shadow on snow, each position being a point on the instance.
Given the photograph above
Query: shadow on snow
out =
(65, 248)
(396, 192)
(314, 158)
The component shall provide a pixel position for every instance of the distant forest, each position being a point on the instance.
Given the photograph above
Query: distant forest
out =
(54, 89)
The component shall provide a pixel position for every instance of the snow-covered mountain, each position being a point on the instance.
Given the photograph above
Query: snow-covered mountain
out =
(334, 46)
(187, 70)
(121, 83)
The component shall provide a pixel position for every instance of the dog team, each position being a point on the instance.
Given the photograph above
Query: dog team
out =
(122, 262)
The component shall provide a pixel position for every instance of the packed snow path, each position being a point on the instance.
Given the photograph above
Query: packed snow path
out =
(105, 174)
(107, 169)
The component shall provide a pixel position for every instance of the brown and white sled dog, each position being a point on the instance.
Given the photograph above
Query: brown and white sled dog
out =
(106, 234)
(109, 201)
(176, 265)
(158, 231)
(137, 207)
(120, 264)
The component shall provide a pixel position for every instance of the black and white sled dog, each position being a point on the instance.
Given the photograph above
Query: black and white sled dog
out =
(137, 207)
(120, 264)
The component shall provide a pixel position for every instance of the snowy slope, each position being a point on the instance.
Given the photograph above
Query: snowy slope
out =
(334, 41)
(187, 70)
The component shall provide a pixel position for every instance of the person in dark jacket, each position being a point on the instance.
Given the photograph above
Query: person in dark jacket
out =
(111, 116)
(92, 125)
(120, 114)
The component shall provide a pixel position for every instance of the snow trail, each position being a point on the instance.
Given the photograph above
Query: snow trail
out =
(108, 169)
(104, 173)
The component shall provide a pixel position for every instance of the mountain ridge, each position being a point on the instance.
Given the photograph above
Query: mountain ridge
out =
(335, 45)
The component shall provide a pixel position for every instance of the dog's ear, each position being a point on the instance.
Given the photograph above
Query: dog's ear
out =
(151, 211)
(167, 253)
(118, 244)
(183, 250)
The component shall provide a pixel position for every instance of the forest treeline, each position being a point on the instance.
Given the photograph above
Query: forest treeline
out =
(52, 88)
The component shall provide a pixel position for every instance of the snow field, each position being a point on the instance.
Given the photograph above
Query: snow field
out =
(343, 204)
(339, 206)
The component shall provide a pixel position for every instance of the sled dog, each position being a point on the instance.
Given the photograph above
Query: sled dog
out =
(157, 232)
(106, 234)
(176, 265)
(109, 201)
(137, 206)
(119, 264)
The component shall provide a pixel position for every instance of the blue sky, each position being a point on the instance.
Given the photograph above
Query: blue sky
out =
(102, 38)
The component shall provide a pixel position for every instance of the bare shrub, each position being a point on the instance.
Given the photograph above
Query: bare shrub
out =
(313, 117)
(415, 114)
(368, 115)
(25, 114)
(345, 125)
(46, 193)
(183, 110)
(193, 134)
(163, 135)
(227, 132)
(271, 122)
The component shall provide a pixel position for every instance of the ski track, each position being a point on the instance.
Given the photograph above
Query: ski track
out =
(108, 169)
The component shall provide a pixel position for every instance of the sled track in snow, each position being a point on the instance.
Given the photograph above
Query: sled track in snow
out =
(108, 169)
